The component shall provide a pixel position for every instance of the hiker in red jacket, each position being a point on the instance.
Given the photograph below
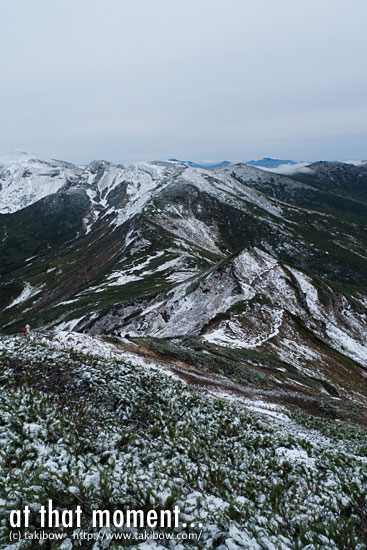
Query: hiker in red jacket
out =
(26, 331)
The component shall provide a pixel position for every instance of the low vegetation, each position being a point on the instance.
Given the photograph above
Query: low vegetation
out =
(101, 433)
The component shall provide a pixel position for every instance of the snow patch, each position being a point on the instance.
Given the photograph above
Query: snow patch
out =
(27, 292)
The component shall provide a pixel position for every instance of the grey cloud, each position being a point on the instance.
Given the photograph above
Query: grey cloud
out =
(211, 79)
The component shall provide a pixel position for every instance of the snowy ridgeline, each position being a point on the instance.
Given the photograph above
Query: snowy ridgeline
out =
(249, 277)
(25, 179)
(99, 432)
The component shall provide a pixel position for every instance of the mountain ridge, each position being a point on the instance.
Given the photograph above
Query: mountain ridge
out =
(233, 257)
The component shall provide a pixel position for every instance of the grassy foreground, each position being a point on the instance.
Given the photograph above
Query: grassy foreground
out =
(100, 433)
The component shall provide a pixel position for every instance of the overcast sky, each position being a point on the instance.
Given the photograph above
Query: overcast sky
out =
(192, 79)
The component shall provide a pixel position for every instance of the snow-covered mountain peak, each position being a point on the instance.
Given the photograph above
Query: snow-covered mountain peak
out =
(25, 179)
(15, 157)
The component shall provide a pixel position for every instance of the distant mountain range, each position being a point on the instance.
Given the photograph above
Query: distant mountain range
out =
(205, 165)
(265, 163)
(269, 162)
